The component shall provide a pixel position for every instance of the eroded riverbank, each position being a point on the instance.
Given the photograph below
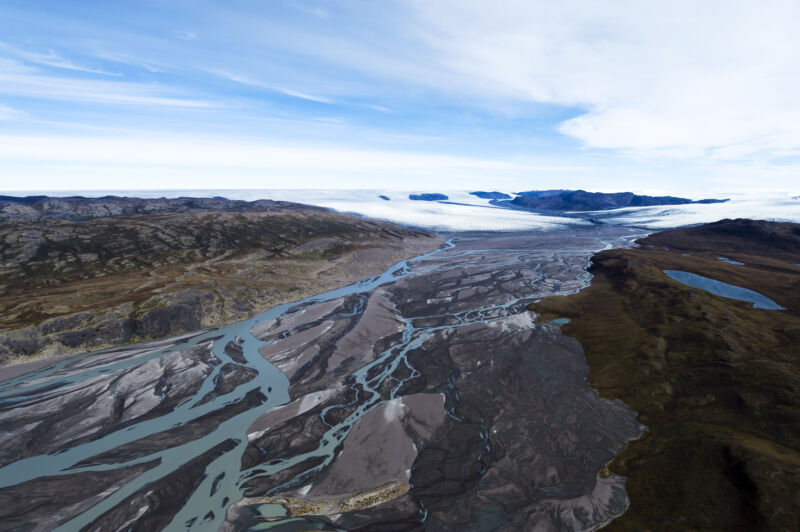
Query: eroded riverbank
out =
(423, 397)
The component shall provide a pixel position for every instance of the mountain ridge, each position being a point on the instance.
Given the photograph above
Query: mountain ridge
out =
(581, 200)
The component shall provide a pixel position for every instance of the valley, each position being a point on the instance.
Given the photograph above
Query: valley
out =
(396, 402)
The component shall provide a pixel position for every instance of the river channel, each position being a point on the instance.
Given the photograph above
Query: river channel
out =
(385, 403)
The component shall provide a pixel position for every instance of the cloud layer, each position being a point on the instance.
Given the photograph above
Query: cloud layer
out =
(646, 95)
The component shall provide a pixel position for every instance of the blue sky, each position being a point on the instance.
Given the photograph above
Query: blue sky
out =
(661, 97)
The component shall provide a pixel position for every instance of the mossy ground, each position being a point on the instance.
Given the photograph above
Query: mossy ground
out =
(715, 381)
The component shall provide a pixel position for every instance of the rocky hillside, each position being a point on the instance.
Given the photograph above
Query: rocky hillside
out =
(580, 200)
(152, 268)
(714, 379)
(79, 208)
(734, 238)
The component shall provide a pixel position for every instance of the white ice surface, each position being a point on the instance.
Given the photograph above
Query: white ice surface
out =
(779, 208)
(466, 212)
(472, 213)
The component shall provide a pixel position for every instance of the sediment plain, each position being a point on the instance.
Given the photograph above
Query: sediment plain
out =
(426, 397)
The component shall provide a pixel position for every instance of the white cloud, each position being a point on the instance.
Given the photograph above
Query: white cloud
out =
(50, 58)
(245, 80)
(303, 8)
(673, 78)
(196, 162)
(20, 80)
(185, 35)
(247, 154)
(7, 113)
(128, 59)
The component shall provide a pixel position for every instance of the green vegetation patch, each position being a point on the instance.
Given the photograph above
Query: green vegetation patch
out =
(715, 380)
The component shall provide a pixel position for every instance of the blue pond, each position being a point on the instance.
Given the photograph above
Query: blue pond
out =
(724, 289)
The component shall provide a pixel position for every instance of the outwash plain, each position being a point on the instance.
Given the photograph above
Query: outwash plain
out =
(423, 397)
(543, 380)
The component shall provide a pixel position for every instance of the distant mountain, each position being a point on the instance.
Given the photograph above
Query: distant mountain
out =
(79, 208)
(427, 197)
(580, 200)
(542, 193)
(491, 195)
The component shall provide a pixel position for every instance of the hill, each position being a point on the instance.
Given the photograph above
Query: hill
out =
(580, 200)
(714, 379)
(134, 269)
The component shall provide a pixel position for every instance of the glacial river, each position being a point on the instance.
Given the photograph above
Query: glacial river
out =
(134, 415)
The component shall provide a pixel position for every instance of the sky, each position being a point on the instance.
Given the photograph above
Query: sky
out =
(660, 97)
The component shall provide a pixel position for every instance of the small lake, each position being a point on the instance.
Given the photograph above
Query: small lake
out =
(729, 261)
(723, 289)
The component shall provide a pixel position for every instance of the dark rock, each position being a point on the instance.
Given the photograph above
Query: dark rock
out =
(79, 208)
(580, 200)
(428, 197)
(491, 195)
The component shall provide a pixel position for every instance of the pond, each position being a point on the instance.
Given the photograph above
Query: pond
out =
(724, 289)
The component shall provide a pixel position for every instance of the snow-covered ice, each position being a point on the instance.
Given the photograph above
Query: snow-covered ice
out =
(463, 211)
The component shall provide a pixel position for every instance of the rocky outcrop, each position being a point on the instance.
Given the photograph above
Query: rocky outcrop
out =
(68, 286)
(491, 195)
(79, 208)
(580, 200)
(428, 197)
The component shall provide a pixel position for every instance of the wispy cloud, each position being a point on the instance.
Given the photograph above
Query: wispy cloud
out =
(20, 80)
(132, 60)
(667, 78)
(185, 35)
(672, 92)
(52, 59)
(304, 8)
(7, 113)
(244, 80)
(261, 158)
(380, 108)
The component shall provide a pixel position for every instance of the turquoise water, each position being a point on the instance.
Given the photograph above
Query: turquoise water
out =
(724, 289)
